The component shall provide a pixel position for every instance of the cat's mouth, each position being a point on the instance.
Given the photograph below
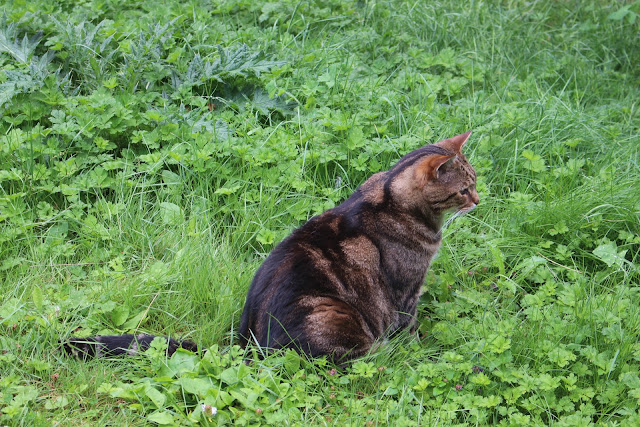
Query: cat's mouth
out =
(466, 209)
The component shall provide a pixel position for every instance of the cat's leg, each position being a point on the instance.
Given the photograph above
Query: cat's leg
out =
(334, 328)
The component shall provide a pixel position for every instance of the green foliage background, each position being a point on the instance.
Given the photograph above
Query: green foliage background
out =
(152, 153)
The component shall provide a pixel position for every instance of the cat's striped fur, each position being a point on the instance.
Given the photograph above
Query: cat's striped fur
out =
(352, 275)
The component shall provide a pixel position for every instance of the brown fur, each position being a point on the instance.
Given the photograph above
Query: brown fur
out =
(353, 274)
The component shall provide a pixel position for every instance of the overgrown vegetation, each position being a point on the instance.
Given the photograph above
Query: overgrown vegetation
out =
(152, 153)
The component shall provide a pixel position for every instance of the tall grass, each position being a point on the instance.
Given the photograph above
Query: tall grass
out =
(136, 197)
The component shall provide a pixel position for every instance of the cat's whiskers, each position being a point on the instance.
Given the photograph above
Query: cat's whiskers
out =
(451, 218)
(455, 215)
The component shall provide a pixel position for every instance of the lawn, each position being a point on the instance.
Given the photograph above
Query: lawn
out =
(153, 153)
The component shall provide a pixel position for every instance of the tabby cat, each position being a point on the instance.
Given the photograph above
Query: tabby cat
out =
(352, 275)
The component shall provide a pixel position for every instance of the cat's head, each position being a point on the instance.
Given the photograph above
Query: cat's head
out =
(435, 179)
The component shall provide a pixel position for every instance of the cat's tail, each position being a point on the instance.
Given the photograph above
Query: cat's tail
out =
(114, 345)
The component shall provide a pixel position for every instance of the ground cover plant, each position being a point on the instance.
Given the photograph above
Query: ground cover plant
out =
(152, 153)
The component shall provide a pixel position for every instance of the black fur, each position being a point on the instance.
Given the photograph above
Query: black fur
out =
(115, 345)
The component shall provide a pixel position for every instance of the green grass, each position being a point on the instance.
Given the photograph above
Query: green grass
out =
(153, 153)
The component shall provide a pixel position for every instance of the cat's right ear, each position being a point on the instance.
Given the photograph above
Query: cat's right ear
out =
(456, 143)
(430, 167)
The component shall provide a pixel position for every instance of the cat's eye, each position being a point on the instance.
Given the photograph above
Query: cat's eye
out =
(464, 192)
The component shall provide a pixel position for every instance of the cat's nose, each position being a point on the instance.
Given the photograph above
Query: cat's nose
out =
(474, 196)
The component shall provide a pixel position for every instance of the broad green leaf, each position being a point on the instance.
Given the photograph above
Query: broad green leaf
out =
(230, 375)
(498, 344)
(39, 365)
(227, 190)
(11, 262)
(169, 177)
(183, 361)
(36, 296)
(196, 386)
(122, 391)
(356, 138)
(156, 396)
(266, 236)
(608, 253)
(171, 213)
(548, 382)
(489, 402)
(162, 417)
(534, 162)
(292, 362)
(631, 379)
(498, 258)
(11, 311)
(619, 14)
(25, 394)
(561, 356)
(58, 402)
(133, 322)
(119, 315)
(480, 379)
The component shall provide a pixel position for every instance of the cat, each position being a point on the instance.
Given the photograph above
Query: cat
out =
(351, 276)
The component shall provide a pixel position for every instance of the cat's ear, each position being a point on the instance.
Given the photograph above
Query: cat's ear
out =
(455, 144)
(430, 167)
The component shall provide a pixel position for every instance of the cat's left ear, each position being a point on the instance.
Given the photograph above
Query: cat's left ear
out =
(429, 169)
(455, 144)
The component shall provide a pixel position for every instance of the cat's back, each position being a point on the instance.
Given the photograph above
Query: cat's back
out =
(321, 257)
(325, 235)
